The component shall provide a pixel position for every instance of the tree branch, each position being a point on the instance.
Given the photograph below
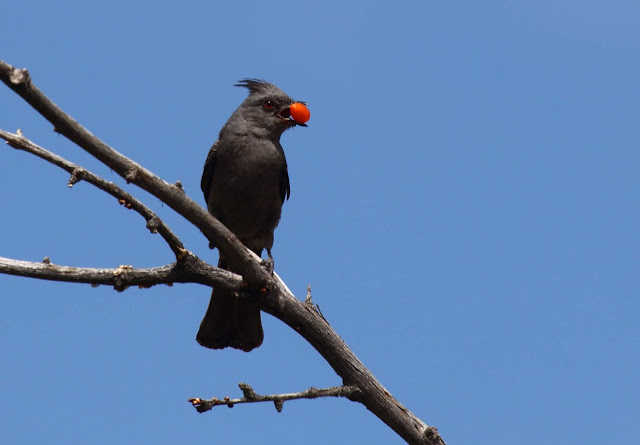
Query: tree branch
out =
(190, 270)
(154, 223)
(250, 396)
(278, 300)
(242, 259)
(307, 321)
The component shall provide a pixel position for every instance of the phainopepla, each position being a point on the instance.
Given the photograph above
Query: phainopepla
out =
(245, 182)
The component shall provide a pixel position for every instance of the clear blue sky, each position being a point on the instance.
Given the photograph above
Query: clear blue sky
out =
(464, 204)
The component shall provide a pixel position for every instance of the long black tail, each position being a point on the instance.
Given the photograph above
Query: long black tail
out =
(230, 322)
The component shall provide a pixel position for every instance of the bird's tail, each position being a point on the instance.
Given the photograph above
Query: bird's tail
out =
(230, 322)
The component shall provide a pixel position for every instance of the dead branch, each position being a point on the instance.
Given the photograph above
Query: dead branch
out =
(250, 396)
(191, 270)
(248, 264)
(278, 300)
(154, 223)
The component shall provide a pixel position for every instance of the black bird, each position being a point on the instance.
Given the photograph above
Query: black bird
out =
(245, 182)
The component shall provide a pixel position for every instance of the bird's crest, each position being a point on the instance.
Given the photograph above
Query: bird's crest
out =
(255, 85)
(258, 86)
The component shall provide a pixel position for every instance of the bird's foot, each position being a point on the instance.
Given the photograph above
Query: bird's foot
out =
(268, 264)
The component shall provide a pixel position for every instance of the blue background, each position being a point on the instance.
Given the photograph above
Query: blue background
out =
(464, 204)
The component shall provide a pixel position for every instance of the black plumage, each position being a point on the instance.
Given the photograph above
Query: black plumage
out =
(245, 182)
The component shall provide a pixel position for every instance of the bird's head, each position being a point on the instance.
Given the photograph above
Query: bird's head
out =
(269, 108)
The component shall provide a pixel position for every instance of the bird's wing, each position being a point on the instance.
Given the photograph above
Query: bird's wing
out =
(285, 189)
(207, 173)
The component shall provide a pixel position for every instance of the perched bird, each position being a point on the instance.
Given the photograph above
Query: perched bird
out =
(245, 182)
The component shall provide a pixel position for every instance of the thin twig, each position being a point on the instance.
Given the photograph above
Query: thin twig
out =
(250, 396)
(308, 301)
(191, 270)
(154, 223)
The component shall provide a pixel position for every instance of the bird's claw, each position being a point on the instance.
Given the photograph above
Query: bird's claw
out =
(268, 264)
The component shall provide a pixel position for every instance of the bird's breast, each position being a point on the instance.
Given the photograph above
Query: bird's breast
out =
(245, 188)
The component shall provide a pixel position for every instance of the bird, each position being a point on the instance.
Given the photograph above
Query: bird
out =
(245, 182)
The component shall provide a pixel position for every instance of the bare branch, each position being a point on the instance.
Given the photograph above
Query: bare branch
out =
(191, 270)
(278, 300)
(250, 396)
(311, 324)
(243, 260)
(154, 223)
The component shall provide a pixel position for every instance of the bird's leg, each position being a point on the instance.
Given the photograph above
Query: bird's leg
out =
(212, 245)
(268, 263)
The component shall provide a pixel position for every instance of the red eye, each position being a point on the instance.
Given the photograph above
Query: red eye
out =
(268, 105)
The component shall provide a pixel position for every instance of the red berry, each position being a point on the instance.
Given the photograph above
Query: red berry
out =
(299, 112)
